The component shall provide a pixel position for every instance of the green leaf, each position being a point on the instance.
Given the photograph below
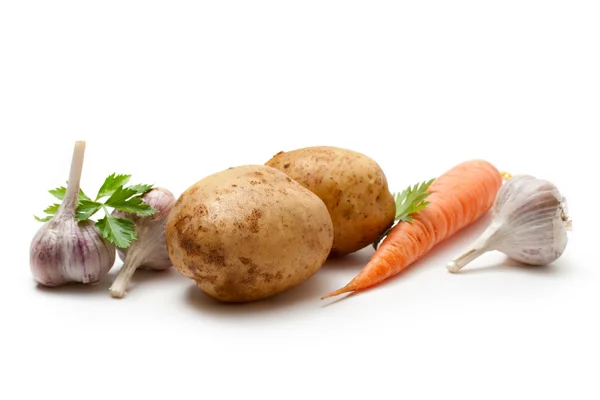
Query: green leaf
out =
(119, 196)
(59, 192)
(408, 202)
(83, 196)
(135, 206)
(119, 231)
(52, 209)
(140, 189)
(412, 200)
(111, 184)
(122, 200)
(45, 219)
(86, 209)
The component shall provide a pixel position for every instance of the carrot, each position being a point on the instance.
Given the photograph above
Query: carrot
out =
(456, 199)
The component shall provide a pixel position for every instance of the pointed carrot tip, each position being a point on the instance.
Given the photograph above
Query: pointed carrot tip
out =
(343, 290)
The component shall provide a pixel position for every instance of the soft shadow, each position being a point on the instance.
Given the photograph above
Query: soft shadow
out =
(450, 247)
(350, 261)
(509, 265)
(81, 289)
(143, 276)
(332, 300)
(311, 289)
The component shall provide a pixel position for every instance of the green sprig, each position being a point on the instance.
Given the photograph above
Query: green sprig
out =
(408, 202)
(120, 231)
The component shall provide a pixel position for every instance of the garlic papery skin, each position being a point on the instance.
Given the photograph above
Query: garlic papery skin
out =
(530, 224)
(67, 251)
(149, 249)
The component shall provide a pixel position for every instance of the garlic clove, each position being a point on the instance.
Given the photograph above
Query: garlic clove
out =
(66, 251)
(530, 224)
(149, 250)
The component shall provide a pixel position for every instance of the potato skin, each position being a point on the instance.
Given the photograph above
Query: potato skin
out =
(247, 233)
(352, 185)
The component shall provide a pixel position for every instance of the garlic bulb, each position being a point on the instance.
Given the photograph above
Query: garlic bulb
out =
(149, 249)
(64, 250)
(530, 224)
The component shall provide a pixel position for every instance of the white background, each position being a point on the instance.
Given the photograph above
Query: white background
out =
(173, 91)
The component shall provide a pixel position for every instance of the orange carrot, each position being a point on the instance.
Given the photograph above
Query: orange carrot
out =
(456, 199)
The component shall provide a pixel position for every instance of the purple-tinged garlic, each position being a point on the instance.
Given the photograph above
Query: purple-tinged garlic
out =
(149, 249)
(530, 224)
(67, 251)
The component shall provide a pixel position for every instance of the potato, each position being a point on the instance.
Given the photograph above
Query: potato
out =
(247, 233)
(352, 185)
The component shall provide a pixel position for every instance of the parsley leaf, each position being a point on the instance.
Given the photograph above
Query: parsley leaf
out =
(411, 200)
(82, 196)
(120, 231)
(111, 184)
(140, 189)
(120, 195)
(45, 219)
(52, 209)
(408, 202)
(86, 208)
(121, 200)
(60, 192)
(134, 205)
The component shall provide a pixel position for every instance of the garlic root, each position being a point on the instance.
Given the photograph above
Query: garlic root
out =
(458, 263)
(132, 262)
(478, 248)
